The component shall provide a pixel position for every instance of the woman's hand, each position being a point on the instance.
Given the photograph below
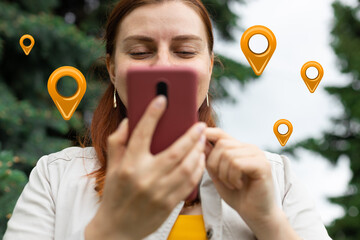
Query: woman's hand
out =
(142, 189)
(242, 176)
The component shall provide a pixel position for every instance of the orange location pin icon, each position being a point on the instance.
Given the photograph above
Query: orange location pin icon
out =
(312, 83)
(258, 61)
(283, 138)
(66, 105)
(27, 49)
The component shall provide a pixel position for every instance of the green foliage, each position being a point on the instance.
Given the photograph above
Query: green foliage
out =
(343, 140)
(229, 70)
(12, 182)
(30, 124)
(224, 19)
(37, 6)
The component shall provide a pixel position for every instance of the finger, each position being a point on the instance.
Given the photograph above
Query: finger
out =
(116, 143)
(208, 148)
(214, 134)
(255, 168)
(215, 178)
(175, 195)
(242, 152)
(182, 147)
(189, 162)
(184, 175)
(185, 187)
(210, 145)
(234, 157)
(197, 175)
(214, 157)
(224, 169)
(143, 132)
(235, 173)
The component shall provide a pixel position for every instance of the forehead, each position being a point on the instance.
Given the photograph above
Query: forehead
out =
(162, 21)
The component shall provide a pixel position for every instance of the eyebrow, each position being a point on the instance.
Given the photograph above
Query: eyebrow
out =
(149, 39)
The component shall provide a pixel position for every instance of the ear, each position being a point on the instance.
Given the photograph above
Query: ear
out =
(110, 65)
(212, 63)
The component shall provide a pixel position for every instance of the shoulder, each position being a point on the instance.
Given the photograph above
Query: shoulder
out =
(75, 157)
(293, 198)
(65, 172)
(69, 161)
(279, 163)
(71, 153)
(276, 159)
(282, 173)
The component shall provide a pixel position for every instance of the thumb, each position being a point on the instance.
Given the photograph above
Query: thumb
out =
(117, 142)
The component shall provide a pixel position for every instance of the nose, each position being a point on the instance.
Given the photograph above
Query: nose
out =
(163, 58)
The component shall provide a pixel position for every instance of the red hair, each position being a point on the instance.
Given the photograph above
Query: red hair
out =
(106, 118)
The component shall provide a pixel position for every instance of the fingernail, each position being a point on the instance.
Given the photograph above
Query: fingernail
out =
(160, 101)
(201, 127)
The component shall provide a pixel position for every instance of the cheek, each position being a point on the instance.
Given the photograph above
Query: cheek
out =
(203, 84)
(120, 80)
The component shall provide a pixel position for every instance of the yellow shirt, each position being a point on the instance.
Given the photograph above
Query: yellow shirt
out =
(189, 227)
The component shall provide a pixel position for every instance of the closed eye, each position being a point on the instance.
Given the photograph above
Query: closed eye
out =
(139, 53)
(186, 52)
(143, 55)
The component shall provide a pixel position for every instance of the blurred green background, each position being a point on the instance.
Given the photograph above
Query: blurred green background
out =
(69, 33)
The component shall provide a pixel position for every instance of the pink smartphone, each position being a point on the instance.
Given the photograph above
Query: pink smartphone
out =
(179, 85)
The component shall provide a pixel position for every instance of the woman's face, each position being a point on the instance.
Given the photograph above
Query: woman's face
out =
(168, 34)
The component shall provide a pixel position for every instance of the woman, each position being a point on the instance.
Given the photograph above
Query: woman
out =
(244, 193)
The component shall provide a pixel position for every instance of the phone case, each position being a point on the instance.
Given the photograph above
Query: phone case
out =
(179, 84)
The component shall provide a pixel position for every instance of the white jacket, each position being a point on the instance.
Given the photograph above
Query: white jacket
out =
(59, 201)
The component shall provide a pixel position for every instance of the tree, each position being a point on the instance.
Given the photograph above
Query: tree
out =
(343, 140)
(66, 33)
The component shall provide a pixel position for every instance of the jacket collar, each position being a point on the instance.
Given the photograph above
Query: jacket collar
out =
(211, 208)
